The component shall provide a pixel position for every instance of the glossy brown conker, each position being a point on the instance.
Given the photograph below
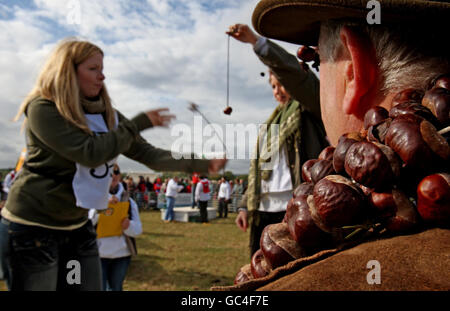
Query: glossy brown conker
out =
(433, 199)
(336, 202)
(301, 225)
(259, 265)
(278, 246)
(344, 142)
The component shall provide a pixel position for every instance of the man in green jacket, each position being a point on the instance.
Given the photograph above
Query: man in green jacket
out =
(302, 135)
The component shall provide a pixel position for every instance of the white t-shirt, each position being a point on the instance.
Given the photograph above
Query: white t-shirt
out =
(224, 191)
(172, 188)
(277, 191)
(200, 195)
(91, 185)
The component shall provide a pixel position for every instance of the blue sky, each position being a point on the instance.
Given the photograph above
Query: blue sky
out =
(158, 53)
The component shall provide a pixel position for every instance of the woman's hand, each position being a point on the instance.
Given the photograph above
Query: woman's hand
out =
(113, 199)
(242, 33)
(159, 118)
(125, 223)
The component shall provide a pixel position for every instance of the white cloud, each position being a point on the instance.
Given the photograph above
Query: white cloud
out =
(158, 53)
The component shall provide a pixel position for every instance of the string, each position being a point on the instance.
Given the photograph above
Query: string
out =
(228, 70)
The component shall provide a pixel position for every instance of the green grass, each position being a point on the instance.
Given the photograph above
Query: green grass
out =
(185, 256)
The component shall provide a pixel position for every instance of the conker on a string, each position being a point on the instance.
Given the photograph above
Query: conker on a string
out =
(301, 225)
(437, 100)
(442, 82)
(377, 132)
(372, 165)
(320, 169)
(326, 153)
(433, 199)
(417, 143)
(414, 108)
(406, 217)
(374, 116)
(305, 188)
(344, 142)
(259, 265)
(306, 170)
(278, 246)
(244, 274)
(407, 96)
(228, 110)
(306, 53)
(336, 202)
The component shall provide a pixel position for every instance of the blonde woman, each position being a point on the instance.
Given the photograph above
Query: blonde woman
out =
(74, 136)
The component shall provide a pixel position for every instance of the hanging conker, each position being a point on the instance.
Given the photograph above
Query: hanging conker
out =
(227, 110)
(433, 199)
(306, 53)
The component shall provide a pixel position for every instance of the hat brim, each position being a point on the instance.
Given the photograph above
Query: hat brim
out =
(298, 21)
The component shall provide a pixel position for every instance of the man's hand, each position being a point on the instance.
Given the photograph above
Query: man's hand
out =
(241, 220)
(215, 165)
(242, 33)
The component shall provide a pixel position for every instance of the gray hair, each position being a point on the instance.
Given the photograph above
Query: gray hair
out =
(406, 57)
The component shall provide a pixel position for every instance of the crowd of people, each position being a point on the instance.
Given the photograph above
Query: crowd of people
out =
(74, 129)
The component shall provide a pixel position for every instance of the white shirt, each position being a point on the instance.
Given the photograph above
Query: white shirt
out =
(116, 246)
(199, 194)
(224, 191)
(7, 183)
(91, 185)
(277, 191)
(173, 188)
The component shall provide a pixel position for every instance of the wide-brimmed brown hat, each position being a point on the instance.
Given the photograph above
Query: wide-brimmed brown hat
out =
(298, 21)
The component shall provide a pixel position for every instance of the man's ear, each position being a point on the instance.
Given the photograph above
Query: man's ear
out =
(360, 72)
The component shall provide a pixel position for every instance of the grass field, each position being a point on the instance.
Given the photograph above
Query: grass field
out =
(185, 256)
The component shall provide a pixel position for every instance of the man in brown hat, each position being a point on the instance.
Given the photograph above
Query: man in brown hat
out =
(362, 66)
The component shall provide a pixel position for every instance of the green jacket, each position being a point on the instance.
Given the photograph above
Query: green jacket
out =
(310, 138)
(43, 192)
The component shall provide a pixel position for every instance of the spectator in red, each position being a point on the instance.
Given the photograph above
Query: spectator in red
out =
(195, 180)
(157, 185)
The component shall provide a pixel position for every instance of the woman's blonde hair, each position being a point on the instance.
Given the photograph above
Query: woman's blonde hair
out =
(58, 82)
